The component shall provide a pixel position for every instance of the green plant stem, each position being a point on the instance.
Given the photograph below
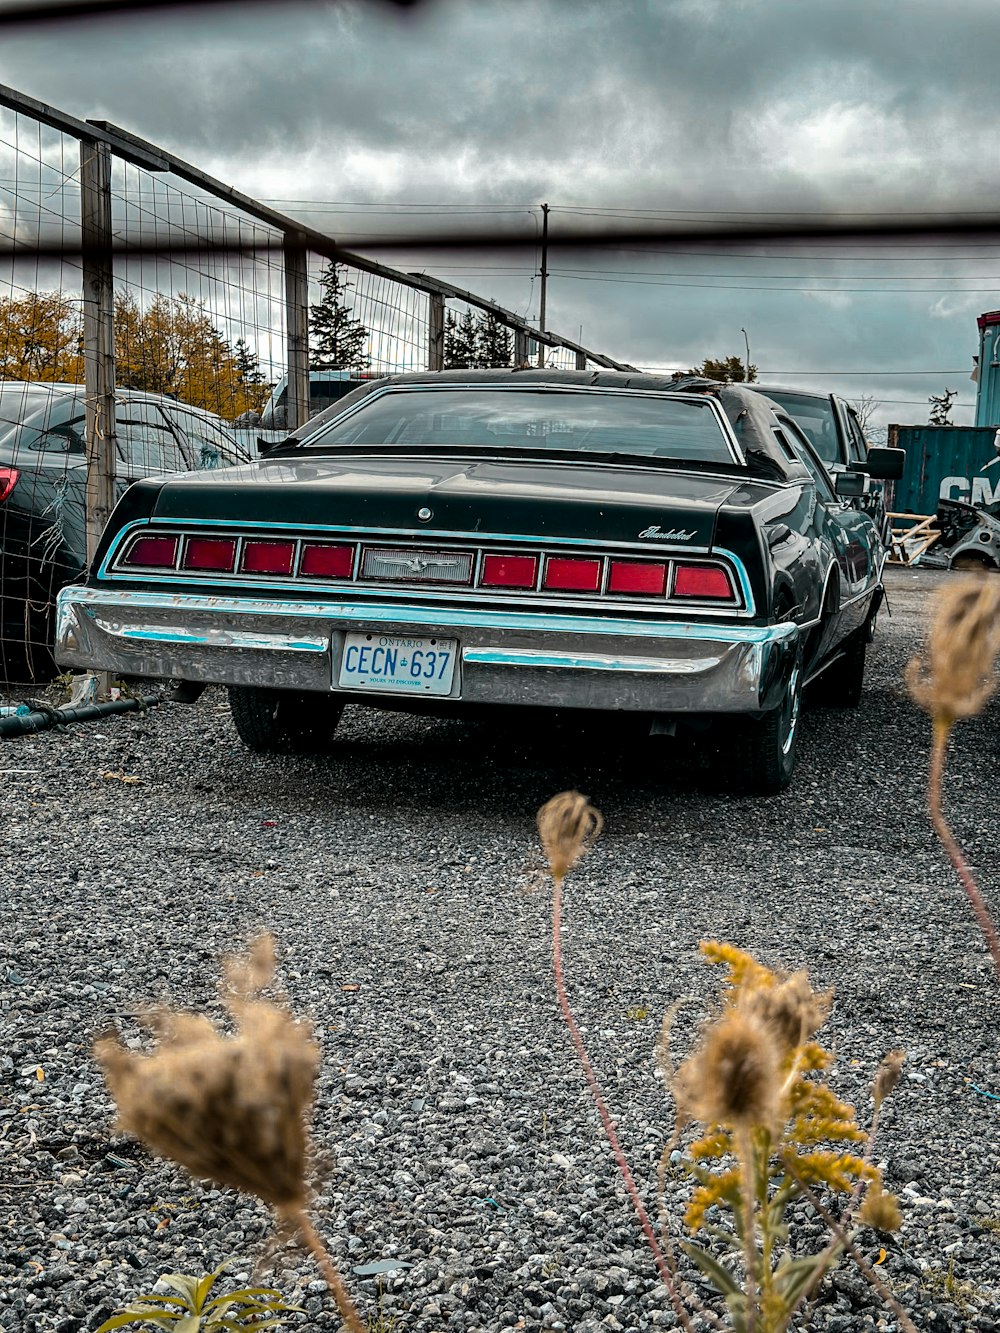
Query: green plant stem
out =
(864, 1267)
(939, 749)
(300, 1220)
(595, 1091)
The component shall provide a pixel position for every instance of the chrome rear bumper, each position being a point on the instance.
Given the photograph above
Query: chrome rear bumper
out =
(506, 657)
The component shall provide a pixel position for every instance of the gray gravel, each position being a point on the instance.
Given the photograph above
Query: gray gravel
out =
(457, 1136)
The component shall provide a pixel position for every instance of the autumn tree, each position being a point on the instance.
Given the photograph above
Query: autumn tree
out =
(173, 346)
(41, 338)
(728, 369)
(336, 339)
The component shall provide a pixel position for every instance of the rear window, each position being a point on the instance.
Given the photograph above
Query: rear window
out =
(642, 425)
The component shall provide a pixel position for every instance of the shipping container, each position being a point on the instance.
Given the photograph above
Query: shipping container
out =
(944, 463)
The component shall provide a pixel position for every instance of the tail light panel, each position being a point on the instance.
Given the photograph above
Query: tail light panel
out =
(8, 480)
(708, 583)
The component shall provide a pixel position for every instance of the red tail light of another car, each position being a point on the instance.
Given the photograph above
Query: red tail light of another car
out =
(638, 577)
(708, 582)
(327, 562)
(509, 571)
(571, 574)
(268, 557)
(152, 552)
(210, 553)
(8, 480)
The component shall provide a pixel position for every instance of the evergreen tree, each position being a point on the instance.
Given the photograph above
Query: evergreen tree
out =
(255, 383)
(494, 342)
(337, 340)
(460, 342)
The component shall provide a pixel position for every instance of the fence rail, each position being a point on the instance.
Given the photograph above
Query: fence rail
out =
(141, 300)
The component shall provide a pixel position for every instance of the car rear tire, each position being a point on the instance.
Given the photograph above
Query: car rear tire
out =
(761, 757)
(284, 721)
(842, 684)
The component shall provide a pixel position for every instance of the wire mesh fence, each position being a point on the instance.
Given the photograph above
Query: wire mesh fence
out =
(154, 321)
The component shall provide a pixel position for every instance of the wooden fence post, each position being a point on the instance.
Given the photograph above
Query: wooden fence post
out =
(98, 336)
(297, 329)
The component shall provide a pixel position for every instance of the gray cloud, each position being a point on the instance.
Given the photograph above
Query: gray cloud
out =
(668, 104)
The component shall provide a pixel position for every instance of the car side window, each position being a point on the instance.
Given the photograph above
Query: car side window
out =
(209, 443)
(68, 437)
(810, 460)
(857, 445)
(146, 444)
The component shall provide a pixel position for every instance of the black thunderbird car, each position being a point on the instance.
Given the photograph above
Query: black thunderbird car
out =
(535, 538)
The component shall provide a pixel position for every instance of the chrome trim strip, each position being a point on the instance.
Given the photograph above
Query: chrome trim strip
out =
(660, 666)
(266, 526)
(357, 612)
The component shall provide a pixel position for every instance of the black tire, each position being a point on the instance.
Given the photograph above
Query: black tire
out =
(842, 684)
(761, 754)
(284, 721)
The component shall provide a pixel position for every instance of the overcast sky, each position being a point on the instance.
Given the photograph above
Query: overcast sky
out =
(695, 106)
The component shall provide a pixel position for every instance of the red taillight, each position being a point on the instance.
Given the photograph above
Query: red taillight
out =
(327, 562)
(215, 553)
(634, 576)
(268, 557)
(509, 571)
(706, 581)
(8, 480)
(570, 574)
(153, 552)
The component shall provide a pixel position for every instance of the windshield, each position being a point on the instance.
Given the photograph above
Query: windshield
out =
(539, 419)
(814, 417)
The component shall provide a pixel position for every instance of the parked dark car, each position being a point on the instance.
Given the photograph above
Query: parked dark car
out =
(42, 477)
(536, 539)
(834, 429)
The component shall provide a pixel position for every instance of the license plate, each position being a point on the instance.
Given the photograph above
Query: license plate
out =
(397, 664)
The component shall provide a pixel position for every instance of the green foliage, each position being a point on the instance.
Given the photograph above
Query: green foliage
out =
(941, 405)
(194, 1310)
(336, 339)
(728, 369)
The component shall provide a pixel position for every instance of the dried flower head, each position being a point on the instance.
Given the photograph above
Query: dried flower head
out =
(229, 1109)
(733, 1078)
(888, 1075)
(956, 677)
(791, 1009)
(568, 826)
(880, 1210)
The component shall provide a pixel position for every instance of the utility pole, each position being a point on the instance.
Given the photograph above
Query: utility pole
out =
(543, 274)
(746, 339)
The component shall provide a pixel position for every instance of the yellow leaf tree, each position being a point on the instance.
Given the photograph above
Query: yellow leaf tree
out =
(41, 338)
(172, 346)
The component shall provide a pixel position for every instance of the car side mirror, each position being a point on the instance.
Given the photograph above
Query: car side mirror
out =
(851, 484)
(886, 464)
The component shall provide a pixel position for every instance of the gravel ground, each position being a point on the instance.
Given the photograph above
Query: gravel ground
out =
(401, 879)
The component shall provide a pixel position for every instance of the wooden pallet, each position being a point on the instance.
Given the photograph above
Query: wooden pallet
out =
(912, 535)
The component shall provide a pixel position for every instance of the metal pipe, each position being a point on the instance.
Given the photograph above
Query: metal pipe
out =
(41, 719)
